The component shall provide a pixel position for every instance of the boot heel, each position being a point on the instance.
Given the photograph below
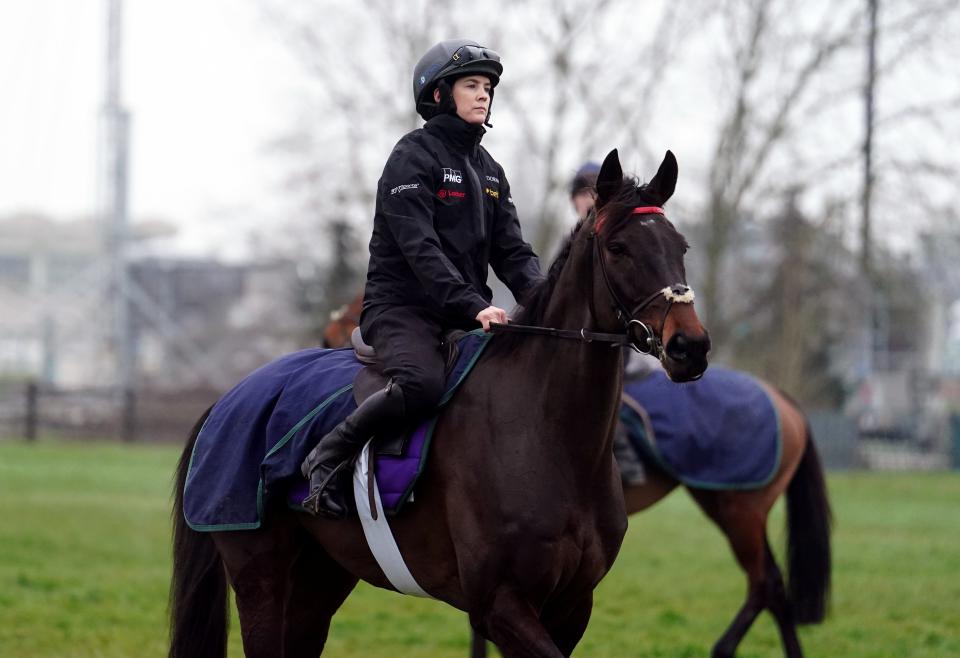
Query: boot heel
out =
(329, 489)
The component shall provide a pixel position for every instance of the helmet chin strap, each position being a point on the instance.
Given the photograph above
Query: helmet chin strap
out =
(486, 121)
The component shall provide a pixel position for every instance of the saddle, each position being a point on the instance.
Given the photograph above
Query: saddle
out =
(371, 379)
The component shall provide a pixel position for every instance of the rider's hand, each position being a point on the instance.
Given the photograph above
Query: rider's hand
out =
(491, 314)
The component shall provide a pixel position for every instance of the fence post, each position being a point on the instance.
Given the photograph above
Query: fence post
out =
(955, 439)
(31, 419)
(128, 416)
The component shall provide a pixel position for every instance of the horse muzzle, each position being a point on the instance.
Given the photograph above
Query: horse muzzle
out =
(685, 356)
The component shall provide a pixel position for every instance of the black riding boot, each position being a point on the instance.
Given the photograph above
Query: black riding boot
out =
(325, 465)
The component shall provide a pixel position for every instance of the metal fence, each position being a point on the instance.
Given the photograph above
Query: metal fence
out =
(842, 446)
(31, 411)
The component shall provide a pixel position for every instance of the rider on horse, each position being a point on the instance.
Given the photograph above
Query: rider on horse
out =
(444, 214)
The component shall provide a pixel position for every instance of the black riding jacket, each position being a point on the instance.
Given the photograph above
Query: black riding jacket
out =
(443, 215)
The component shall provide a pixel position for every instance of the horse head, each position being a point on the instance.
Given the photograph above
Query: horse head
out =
(639, 280)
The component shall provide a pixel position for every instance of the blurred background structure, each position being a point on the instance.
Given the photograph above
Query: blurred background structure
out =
(186, 192)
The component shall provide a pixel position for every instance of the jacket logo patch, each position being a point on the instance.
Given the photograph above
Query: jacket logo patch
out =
(443, 194)
(493, 179)
(401, 188)
(452, 176)
(494, 193)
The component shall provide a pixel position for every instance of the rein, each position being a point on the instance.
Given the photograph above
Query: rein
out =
(575, 334)
(649, 342)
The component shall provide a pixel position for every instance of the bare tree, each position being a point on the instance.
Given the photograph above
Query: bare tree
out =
(795, 328)
(783, 102)
(788, 75)
(588, 83)
(580, 78)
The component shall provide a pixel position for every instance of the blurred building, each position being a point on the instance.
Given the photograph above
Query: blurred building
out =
(209, 323)
(50, 293)
(196, 322)
(939, 255)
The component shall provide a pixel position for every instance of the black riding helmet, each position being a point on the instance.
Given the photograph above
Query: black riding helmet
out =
(453, 58)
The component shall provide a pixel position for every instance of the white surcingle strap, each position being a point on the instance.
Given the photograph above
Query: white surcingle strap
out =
(672, 295)
(376, 528)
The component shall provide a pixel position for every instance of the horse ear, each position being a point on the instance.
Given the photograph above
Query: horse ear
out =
(665, 182)
(610, 178)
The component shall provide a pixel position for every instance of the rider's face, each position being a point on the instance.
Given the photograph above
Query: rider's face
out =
(471, 94)
(583, 202)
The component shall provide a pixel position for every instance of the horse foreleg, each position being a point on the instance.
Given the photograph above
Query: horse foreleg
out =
(478, 644)
(568, 624)
(515, 627)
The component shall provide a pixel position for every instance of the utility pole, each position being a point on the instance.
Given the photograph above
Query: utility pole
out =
(116, 123)
(866, 255)
(874, 341)
(123, 294)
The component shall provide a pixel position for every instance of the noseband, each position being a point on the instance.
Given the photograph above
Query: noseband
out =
(648, 342)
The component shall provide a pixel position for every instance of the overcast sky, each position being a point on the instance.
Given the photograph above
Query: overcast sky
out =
(207, 85)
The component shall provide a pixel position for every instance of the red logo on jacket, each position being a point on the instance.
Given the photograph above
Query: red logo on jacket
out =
(443, 194)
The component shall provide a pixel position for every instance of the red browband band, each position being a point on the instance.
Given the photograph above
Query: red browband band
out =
(639, 210)
(648, 210)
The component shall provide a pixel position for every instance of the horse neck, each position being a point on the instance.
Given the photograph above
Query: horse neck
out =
(585, 379)
(569, 305)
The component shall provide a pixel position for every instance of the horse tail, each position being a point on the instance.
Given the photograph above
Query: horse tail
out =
(808, 538)
(198, 593)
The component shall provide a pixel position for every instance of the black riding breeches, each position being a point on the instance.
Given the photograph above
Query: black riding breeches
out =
(407, 341)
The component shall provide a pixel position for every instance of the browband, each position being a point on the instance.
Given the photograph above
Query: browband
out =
(639, 210)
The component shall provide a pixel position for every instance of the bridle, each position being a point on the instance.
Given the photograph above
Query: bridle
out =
(638, 335)
(649, 342)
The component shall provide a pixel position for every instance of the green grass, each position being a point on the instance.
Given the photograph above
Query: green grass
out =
(84, 569)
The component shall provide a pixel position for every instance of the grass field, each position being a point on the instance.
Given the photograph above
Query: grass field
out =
(84, 568)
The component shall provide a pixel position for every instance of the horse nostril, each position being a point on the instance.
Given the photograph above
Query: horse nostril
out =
(681, 347)
(677, 347)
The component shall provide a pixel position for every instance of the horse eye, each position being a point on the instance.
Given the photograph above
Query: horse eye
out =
(617, 248)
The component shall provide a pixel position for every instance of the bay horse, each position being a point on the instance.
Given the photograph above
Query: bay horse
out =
(519, 513)
(342, 323)
(741, 515)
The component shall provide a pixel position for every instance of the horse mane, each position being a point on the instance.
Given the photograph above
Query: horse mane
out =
(533, 306)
